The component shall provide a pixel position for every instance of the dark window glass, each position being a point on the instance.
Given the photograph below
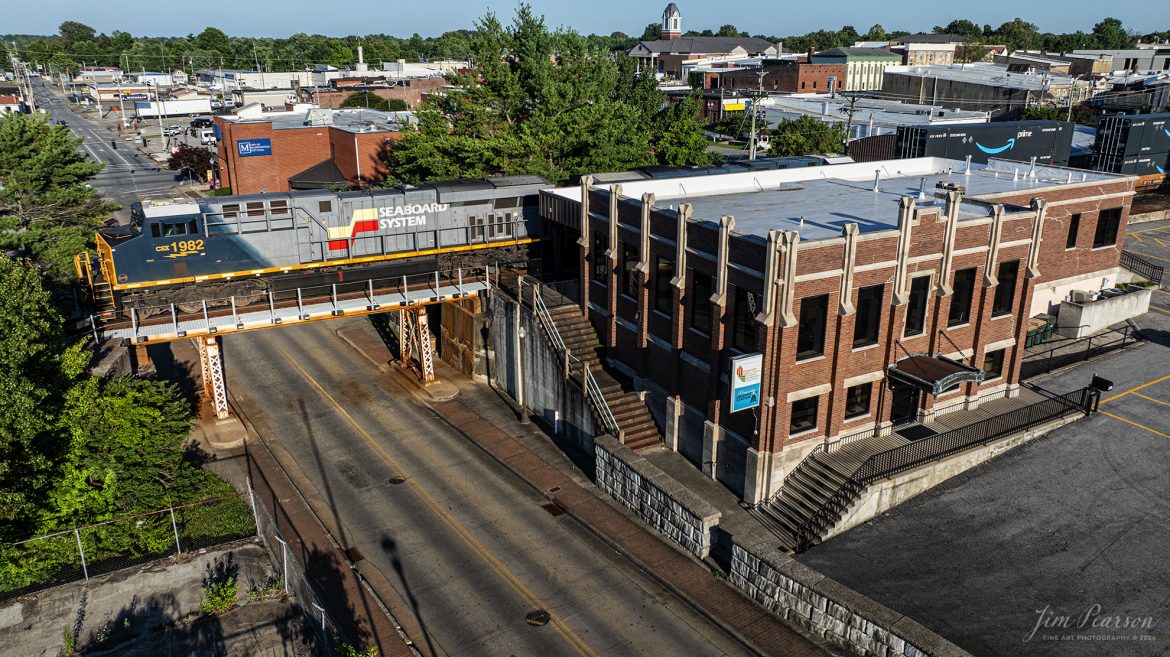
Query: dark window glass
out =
(476, 232)
(804, 415)
(916, 306)
(600, 261)
(1005, 291)
(857, 400)
(1108, 222)
(1074, 226)
(810, 341)
(663, 292)
(700, 302)
(155, 230)
(629, 273)
(868, 316)
(193, 227)
(993, 365)
(324, 206)
(743, 336)
(960, 312)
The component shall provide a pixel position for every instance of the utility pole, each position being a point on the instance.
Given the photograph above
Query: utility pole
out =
(755, 111)
(851, 110)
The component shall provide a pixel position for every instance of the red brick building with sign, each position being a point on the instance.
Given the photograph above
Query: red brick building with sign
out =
(282, 151)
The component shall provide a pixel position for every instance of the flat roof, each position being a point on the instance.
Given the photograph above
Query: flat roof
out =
(818, 201)
(349, 120)
(883, 112)
(982, 73)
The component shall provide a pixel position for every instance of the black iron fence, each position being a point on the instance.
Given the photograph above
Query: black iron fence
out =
(939, 446)
(1075, 351)
(1141, 266)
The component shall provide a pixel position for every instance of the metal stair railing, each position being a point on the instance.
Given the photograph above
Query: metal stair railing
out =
(589, 383)
(919, 452)
(1142, 267)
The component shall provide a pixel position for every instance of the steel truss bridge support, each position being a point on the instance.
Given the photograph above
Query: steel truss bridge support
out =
(414, 342)
(214, 385)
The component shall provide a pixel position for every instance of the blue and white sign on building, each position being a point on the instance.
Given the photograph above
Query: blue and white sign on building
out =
(253, 147)
(745, 381)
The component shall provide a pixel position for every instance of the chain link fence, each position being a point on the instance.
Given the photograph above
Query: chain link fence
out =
(296, 583)
(85, 552)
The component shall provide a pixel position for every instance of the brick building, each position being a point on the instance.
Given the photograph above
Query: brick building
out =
(280, 151)
(410, 90)
(868, 306)
(782, 75)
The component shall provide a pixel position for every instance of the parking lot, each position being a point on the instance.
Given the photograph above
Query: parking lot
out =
(1055, 548)
(1151, 241)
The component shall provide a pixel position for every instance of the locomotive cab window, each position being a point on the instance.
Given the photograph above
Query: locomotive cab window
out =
(173, 228)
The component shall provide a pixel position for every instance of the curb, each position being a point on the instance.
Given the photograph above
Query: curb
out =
(421, 392)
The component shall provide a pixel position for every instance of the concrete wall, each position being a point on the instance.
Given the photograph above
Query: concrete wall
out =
(842, 617)
(147, 597)
(534, 376)
(1078, 320)
(886, 494)
(659, 500)
(1142, 218)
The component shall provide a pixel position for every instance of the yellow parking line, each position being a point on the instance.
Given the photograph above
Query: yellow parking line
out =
(1137, 238)
(1150, 255)
(1140, 426)
(1151, 230)
(1157, 309)
(558, 624)
(1160, 242)
(1144, 385)
(1156, 401)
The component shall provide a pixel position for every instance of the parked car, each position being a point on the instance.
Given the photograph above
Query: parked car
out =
(173, 130)
(207, 136)
(201, 122)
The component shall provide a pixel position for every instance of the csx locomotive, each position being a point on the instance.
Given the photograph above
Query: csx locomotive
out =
(243, 246)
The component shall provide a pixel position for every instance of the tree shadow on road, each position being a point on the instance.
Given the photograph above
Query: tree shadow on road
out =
(391, 549)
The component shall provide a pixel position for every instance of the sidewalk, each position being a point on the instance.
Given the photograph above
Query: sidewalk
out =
(494, 427)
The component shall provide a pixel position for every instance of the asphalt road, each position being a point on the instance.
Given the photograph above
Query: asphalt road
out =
(1056, 548)
(465, 542)
(1151, 241)
(128, 175)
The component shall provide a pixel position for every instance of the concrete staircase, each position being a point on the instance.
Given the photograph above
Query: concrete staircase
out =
(629, 410)
(817, 479)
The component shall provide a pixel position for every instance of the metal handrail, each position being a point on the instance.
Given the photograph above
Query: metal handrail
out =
(1142, 267)
(899, 459)
(590, 386)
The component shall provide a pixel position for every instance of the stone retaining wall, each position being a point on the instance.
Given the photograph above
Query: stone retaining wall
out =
(655, 496)
(828, 609)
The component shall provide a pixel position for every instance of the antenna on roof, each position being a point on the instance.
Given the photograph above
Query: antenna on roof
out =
(922, 188)
(877, 178)
(967, 171)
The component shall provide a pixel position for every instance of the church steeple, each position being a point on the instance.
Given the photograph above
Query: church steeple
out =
(671, 22)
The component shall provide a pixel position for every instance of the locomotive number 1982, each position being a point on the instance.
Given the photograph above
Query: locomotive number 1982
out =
(182, 246)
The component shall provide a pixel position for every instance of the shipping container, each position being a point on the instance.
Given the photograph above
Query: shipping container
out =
(1047, 141)
(1143, 165)
(1123, 135)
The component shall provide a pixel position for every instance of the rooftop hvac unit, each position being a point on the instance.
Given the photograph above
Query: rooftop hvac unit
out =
(1081, 296)
(949, 186)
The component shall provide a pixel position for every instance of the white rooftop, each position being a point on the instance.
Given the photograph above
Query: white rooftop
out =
(879, 112)
(983, 73)
(818, 201)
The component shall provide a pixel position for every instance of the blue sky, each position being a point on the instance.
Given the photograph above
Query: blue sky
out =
(279, 18)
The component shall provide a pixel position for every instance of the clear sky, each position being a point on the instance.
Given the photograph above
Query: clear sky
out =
(280, 18)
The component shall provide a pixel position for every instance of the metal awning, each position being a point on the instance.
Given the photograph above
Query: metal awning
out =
(933, 373)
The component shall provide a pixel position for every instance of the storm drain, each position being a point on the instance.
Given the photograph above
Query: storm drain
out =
(538, 617)
(553, 508)
(397, 480)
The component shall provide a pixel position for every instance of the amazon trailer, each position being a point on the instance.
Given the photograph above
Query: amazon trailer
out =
(1134, 144)
(1047, 141)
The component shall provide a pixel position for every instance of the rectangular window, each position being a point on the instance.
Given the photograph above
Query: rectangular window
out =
(857, 400)
(193, 227)
(155, 230)
(700, 302)
(504, 224)
(960, 312)
(490, 221)
(231, 210)
(743, 335)
(324, 206)
(663, 292)
(1074, 226)
(174, 229)
(475, 231)
(278, 207)
(1005, 291)
(600, 261)
(916, 306)
(1108, 221)
(810, 341)
(255, 208)
(629, 273)
(868, 316)
(804, 415)
(993, 365)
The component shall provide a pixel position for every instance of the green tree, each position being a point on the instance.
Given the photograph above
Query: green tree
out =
(1018, 34)
(213, 39)
(653, 32)
(46, 205)
(33, 379)
(681, 140)
(1109, 34)
(876, 33)
(367, 100)
(728, 31)
(961, 27)
(73, 33)
(547, 103)
(806, 136)
(1045, 112)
